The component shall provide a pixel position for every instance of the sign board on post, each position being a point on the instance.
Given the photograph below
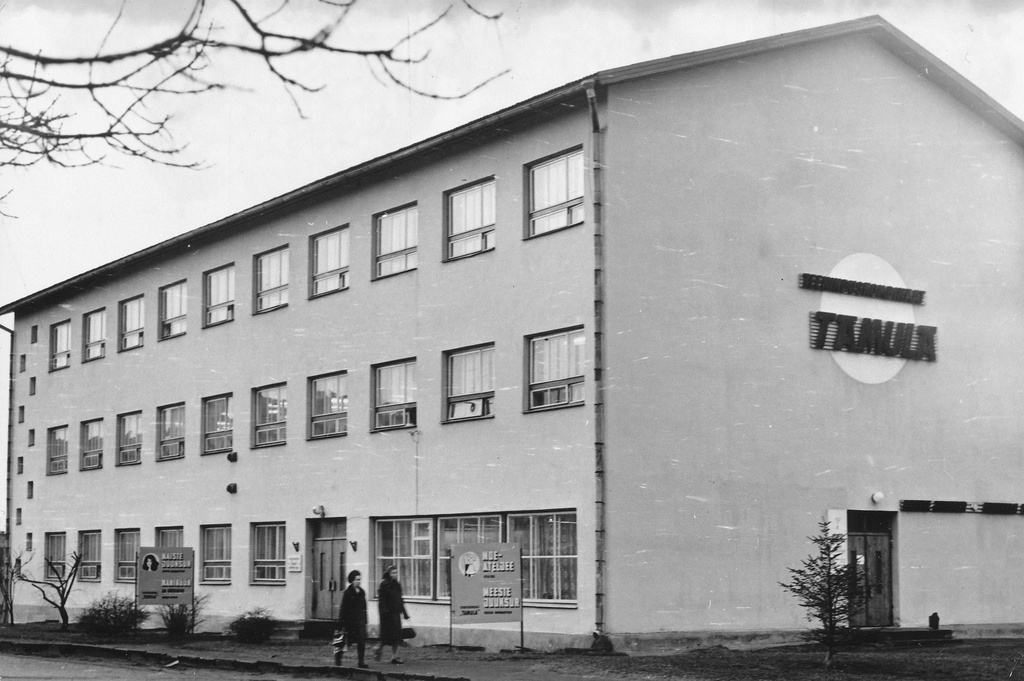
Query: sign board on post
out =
(165, 575)
(486, 583)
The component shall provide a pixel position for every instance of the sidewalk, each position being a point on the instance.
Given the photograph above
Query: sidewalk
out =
(301, 659)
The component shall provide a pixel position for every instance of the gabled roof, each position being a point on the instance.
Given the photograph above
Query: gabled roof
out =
(874, 27)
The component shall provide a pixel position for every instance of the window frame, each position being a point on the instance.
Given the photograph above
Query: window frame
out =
(408, 407)
(51, 457)
(228, 305)
(171, 327)
(123, 446)
(278, 562)
(410, 254)
(443, 564)
(484, 397)
(84, 441)
(555, 557)
(280, 290)
(123, 332)
(280, 425)
(208, 433)
(341, 271)
(568, 383)
(395, 557)
(89, 570)
(570, 207)
(221, 561)
(175, 442)
(60, 352)
(55, 561)
(98, 345)
(124, 566)
(161, 533)
(340, 416)
(486, 231)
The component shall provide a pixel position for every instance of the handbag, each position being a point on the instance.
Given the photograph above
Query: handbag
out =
(339, 641)
(408, 632)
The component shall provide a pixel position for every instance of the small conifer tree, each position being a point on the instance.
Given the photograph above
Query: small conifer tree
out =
(825, 587)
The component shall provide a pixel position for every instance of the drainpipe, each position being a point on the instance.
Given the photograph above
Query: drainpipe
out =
(597, 158)
(6, 557)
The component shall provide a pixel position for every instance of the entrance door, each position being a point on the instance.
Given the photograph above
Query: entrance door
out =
(328, 569)
(869, 538)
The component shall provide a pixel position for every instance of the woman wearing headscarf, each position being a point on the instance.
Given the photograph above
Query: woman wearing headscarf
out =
(392, 609)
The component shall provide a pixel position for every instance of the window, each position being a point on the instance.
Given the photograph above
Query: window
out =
(22, 360)
(57, 450)
(171, 425)
(94, 335)
(556, 369)
(470, 382)
(92, 444)
(60, 345)
(28, 547)
(268, 561)
(170, 537)
(89, 548)
(21, 465)
(32, 386)
(272, 280)
(131, 323)
(407, 544)
(464, 530)
(271, 408)
(556, 193)
(219, 292)
(173, 309)
(55, 555)
(216, 553)
(21, 413)
(330, 262)
(31, 437)
(30, 490)
(17, 516)
(328, 398)
(129, 439)
(35, 334)
(396, 234)
(548, 544)
(471, 220)
(395, 395)
(217, 424)
(126, 546)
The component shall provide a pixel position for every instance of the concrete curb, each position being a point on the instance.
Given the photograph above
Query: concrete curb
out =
(163, 659)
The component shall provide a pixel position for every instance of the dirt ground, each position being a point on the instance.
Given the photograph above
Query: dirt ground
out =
(973, 660)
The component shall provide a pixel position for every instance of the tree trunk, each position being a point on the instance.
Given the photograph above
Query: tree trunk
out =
(830, 657)
(63, 617)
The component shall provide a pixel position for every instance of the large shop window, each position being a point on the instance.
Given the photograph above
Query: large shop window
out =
(268, 560)
(407, 544)
(548, 544)
(215, 553)
(420, 547)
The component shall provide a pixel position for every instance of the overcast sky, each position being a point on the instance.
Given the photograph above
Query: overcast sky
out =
(256, 146)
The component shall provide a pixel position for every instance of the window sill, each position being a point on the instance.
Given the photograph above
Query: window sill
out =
(124, 465)
(220, 323)
(557, 407)
(217, 452)
(326, 437)
(176, 335)
(411, 426)
(281, 583)
(315, 296)
(56, 369)
(134, 347)
(269, 309)
(394, 274)
(459, 258)
(93, 359)
(91, 468)
(60, 473)
(171, 458)
(218, 583)
(269, 445)
(468, 419)
(529, 236)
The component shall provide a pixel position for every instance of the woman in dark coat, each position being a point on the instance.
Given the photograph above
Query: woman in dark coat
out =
(392, 610)
(352, 617)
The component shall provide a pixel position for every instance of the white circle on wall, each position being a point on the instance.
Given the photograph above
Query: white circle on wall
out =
(872, 269)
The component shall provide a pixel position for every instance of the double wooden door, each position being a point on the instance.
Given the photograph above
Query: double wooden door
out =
(869, 541)
(328, 577)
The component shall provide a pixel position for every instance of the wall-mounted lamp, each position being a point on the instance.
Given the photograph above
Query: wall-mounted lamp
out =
(295, 545)
(877, 497)
(319, 511)
(353, 544)
(232, 488)
(232, 456)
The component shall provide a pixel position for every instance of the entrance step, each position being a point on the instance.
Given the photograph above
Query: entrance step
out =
(904, 637)
(317, 629)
